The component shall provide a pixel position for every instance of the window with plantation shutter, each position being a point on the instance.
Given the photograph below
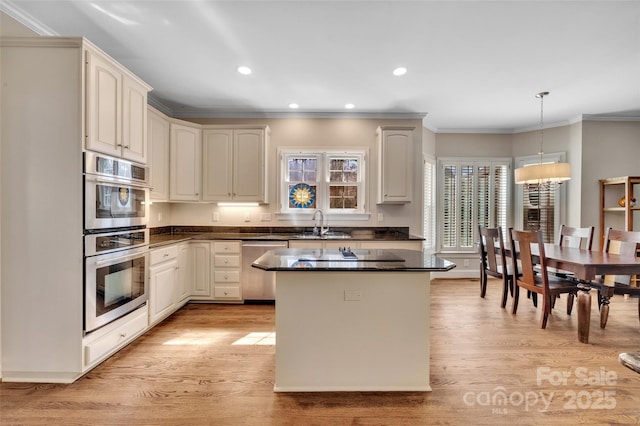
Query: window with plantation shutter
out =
(472, 192)
(429, 208)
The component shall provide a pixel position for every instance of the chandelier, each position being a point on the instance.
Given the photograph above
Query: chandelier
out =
(548, 175)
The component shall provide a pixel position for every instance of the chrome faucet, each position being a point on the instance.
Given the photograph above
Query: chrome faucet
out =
(323, 230)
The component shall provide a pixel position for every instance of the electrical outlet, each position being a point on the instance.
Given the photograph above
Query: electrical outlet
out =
(265, 217)
(160, 216)
(466, 262)
(380, 217)
(247, 217)
(215, 216)
(352, 295)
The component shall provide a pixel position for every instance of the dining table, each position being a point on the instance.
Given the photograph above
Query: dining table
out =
(586, 265)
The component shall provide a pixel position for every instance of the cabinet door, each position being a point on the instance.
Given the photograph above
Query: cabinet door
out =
(185, 272)
(162, 290)
(201, 279)
(395, 184)
(248, 165)
(158, 143)
(134, 121)
(217, 155)
(185, 160)
(103, 106)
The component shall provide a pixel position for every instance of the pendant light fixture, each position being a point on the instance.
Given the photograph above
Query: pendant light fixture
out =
(549, 175)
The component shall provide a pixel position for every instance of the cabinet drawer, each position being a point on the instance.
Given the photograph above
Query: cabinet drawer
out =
(101, 346)
(226, 247)
(163, 254)
(227, 261)
(226, 276)
(226, 292)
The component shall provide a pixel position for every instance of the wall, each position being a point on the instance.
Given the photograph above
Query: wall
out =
(327, 133)
(609, 149)
(473, 145)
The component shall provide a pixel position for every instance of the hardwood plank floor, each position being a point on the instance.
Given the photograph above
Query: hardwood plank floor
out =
(187, 371)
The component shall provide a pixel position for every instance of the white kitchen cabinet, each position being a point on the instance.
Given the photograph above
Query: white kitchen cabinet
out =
(185, 272)
(201, 270)
(185, 177)
(116, 115)
(226, 270)
(158, 144)
(163, 283)
(234, 166)
(48, 107)
(395, 165)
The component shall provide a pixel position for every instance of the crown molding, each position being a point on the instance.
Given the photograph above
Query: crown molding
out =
(9, 7)
(610, 117)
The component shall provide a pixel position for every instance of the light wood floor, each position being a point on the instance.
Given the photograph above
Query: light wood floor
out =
(186, 371)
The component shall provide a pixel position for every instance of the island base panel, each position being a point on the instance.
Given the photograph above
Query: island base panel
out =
(352, 331)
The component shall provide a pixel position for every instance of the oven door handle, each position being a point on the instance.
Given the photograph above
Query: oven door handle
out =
(120, 259)
(125, 183)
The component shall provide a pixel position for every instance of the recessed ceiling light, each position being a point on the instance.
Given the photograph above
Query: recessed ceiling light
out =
(244, 70)
(294, 106)
(349, 106)
(400, 71)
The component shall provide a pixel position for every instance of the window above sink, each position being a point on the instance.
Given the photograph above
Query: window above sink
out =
(331, 181)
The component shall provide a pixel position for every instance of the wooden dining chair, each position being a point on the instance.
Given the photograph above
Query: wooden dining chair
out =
(616, 242)
(576, 237)
(493, 262)
(548, 287)
(568, 236)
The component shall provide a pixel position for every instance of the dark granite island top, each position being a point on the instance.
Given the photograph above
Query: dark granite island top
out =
(351, 260)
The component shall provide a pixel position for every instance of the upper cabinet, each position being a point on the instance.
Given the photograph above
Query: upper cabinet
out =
(234, 164)
(116, 109)
(395, 165)
(185, 177)
(158, 144)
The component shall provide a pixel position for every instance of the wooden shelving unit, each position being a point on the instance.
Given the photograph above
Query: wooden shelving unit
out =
(614, 215)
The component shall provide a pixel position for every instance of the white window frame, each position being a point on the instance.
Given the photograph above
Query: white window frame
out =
(476, 162)
(324, 158)
(429, 211)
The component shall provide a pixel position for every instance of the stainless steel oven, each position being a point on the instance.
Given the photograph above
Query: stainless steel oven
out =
(116, 193)
(115, 275)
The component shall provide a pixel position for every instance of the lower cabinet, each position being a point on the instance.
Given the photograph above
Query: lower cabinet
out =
(227, 265)
(200, 270)
(107, 340)
(163, 283)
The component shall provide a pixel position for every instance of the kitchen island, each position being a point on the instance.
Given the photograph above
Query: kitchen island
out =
(352, 320)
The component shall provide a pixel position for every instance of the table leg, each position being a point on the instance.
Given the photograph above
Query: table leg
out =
(584, 313)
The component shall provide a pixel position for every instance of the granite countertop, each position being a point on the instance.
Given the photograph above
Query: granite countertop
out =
(365, 260)
(172, 235)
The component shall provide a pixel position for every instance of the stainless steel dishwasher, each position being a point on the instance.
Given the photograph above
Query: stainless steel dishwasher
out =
(258, 285)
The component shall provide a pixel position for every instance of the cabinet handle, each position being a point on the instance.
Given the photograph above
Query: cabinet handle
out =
(166, 255)
(123, 335)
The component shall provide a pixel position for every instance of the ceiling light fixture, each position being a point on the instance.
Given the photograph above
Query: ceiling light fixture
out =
(244, 70)
(400, 71)
(548, 175)
(349, 106)
(294, 106)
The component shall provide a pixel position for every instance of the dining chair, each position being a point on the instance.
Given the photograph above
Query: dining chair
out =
(548, 287)
(493, 261)
(568, 236)
(616, 242)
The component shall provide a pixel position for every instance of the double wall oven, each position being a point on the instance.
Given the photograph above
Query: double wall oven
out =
(116, 238)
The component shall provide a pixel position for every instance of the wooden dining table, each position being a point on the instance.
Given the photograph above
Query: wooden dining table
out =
(586, 266)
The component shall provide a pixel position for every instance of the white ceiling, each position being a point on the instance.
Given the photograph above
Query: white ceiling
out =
(473, 65)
